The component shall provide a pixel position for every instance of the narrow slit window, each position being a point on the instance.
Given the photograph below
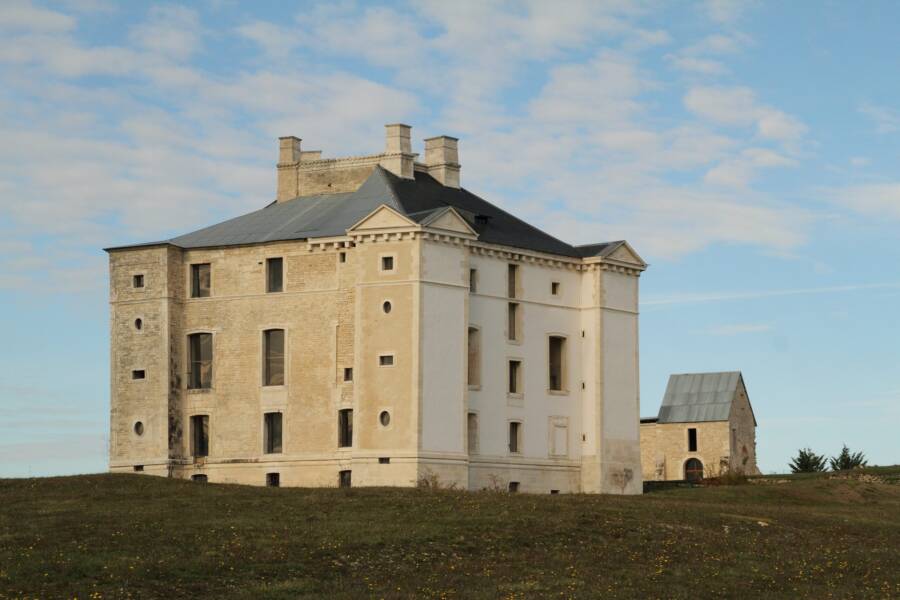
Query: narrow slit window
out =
(200, 366)
(345, 428)
(348, 373)
(554, 288)
(474, 356)
(515, 437)
(515, 377)
(473, 281)
(472, 432)
(512, 280)
(273, 348)
(513, 322)
(201, 280)
(692, 440)
(343, 257)
(199, 436)
(272, 433)
(557, 352)
(274, 275)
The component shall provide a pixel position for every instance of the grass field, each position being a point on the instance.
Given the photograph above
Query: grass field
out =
(132, 536)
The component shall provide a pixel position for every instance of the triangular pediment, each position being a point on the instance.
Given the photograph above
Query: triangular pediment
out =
(449, 220)
(383, 217)
(626, 254)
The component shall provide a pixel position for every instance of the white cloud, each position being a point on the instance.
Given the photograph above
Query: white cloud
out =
(737, 106)
(885, 119)
(693, 64)
(173, 31)
(726, 11)
(22, 15)
(878, 200)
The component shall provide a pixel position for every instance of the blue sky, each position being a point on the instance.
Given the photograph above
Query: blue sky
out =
(748, 150)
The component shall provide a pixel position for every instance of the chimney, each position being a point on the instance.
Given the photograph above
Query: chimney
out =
(398, 157)
(442, 159)
(288, 150)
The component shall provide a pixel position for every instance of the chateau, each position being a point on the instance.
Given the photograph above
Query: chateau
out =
(377, 325)
(705, 427)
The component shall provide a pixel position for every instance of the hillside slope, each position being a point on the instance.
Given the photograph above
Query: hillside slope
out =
(131, 536)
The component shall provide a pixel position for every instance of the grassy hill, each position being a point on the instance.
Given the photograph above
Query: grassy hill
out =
(131, 536)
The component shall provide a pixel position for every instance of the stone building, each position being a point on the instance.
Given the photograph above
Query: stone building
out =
(377, 324)
(705, 428)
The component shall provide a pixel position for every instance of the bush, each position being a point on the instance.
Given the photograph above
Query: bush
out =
(808, 461)
(847, 460)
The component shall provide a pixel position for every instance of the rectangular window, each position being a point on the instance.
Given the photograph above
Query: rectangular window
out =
(274, 275)
(513, 487)
(474, 356)
(344, 479)
(200, 280)
(138, 281)
(515, 377)
(473, 281)
(515, 437)
(343, 257)
(692, 440)
(345, 428)
(200, 361)
(386, 360)
(273, 357)
(272, 433)
(384, 460)
(512, 331)
(557, 352)
(199, 478)
(387, 263)
(199, 436)
(273, 479)
(138, 374)
(512, 280)
(554, 288)
(472, 432)
(348, 373)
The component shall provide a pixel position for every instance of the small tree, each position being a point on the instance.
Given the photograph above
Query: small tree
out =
(847, 460)
(808, 461)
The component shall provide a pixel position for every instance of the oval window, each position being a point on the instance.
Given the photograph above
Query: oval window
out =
(139, 428)
(385, 418)
(138, 324)
(386, 306)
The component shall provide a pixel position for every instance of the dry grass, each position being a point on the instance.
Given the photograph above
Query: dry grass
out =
(130, 536)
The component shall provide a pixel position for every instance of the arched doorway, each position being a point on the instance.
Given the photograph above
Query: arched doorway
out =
(693, 470)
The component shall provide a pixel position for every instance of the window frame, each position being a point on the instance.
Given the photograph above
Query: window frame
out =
(472, 415)
(692, 439)
(514, 379)
(563, 388)
(269, 447)
(513, 280)
(138, 277)
(266, 361)
(518, 425)
(281, 278)
(514, 322)
(189, 355)
(193, 432)
(194, 280)
(473, 331)
(384, 256)
(473, 280)
(345, 428)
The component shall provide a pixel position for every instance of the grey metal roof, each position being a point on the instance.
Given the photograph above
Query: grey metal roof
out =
(332, 214)
(699, 397)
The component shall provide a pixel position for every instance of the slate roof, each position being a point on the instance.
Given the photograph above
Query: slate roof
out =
(332, 214)
(699, 397)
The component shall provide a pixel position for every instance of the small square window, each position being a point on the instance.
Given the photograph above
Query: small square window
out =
(273, 479)
(384, 460)
(513, 487)
(138, 468)
(386, 360)
(138, 374)
(348, 373)
(387, 263)
(138, 281)
(554, 288)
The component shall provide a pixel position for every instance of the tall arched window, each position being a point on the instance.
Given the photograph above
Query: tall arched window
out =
(693, 470)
